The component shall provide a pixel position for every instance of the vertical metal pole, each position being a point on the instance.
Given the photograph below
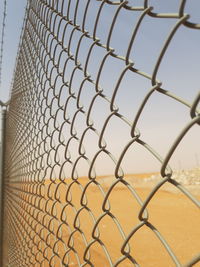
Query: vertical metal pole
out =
(2, 153)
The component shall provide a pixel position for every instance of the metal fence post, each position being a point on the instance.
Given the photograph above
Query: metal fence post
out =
(2, 145)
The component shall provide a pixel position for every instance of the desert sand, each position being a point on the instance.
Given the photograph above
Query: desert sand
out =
(175, 216)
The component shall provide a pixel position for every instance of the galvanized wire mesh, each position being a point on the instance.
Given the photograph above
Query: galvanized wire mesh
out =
(50, 217)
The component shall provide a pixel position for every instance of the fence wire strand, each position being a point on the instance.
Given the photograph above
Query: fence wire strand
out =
(50, 218)
(2, 39)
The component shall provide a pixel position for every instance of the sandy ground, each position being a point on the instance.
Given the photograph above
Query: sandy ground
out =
(175, 216)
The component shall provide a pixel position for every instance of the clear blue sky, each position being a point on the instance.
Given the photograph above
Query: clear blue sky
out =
(14, 19)
(179, 73)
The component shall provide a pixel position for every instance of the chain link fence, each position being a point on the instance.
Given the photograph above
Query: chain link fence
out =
(59, 209)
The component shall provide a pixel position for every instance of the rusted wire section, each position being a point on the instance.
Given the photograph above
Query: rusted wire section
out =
(54, 215)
